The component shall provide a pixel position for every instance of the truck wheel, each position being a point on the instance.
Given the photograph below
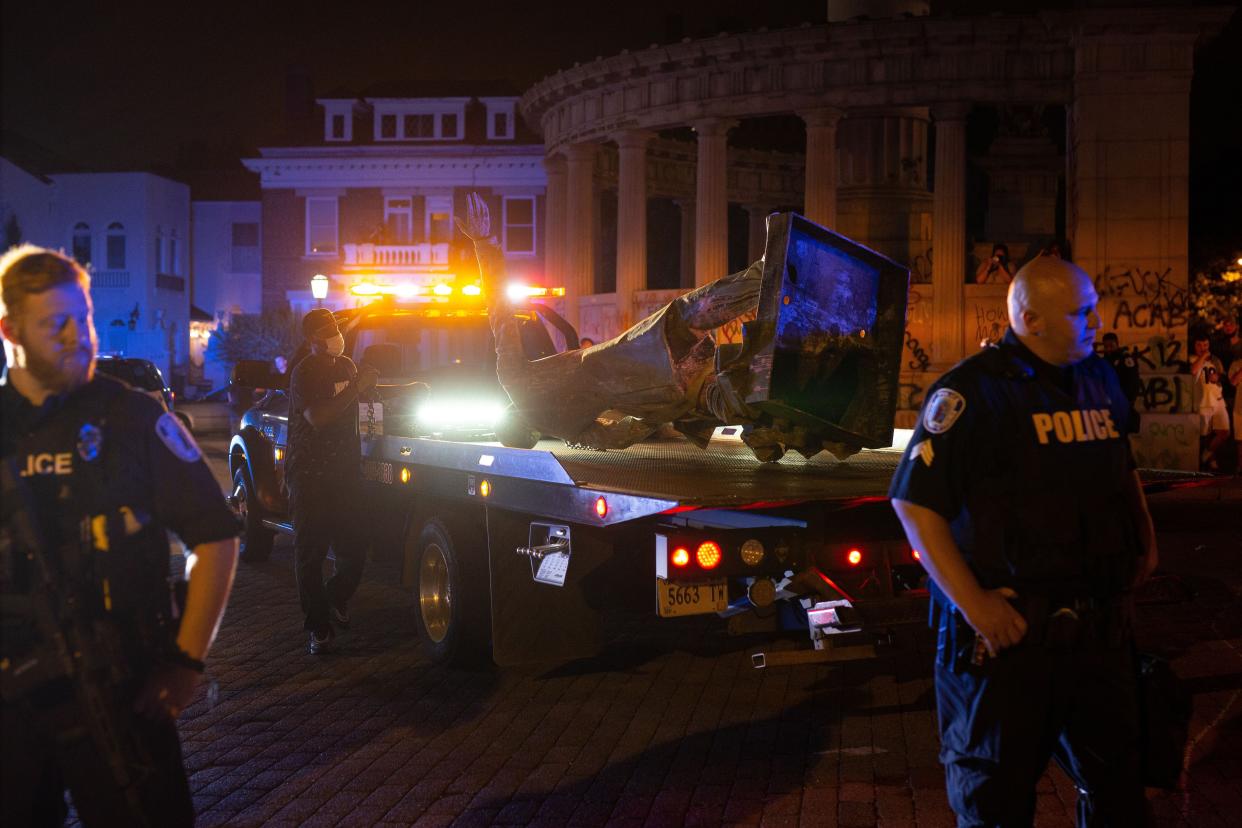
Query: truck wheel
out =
(454, 598)
(256, 539)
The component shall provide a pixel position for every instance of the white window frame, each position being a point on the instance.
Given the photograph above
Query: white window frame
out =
(333, 109)
(407, 211)
(82, 229)
(437, 108)
(173, 252)
(456, 136)
(437, 204)
(116, 230)
(336, 228)
(506, 224)
(501, 106)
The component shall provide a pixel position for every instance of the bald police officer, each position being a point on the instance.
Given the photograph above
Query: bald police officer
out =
(104, 472)
(1019, 489)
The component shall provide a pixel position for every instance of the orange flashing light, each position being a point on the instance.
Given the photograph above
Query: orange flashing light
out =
(708, 554)
(485, 488)
(854, 556)
(405, 474)
(681, 556)
(601, 506)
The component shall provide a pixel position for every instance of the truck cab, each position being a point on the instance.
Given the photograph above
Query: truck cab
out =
(437, 367)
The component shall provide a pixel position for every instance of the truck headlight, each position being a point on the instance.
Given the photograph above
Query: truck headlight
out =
(459, 414)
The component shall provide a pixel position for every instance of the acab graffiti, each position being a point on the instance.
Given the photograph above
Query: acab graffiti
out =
(1142, 298)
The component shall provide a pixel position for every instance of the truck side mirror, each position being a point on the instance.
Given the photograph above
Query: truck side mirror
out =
(258, 373)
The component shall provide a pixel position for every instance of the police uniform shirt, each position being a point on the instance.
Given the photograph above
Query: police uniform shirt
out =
(1027, 462)
(114, 456)
(331, 450)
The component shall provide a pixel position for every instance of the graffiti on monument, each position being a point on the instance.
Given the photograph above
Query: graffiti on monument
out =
(1139, 299)
(921, 267)
(1166, 393)
(990, 316)
(1167, 441)
(918, 332)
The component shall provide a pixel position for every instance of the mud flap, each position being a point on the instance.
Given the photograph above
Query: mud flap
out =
(536, 622)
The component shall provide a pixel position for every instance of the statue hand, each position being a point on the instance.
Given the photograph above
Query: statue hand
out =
(478, 223)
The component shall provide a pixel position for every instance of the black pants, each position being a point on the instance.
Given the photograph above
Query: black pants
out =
(1001, 722)
(325, 517)
(48, 749)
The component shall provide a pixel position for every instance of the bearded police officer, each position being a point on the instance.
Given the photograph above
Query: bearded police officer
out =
(1019, 490)
(322, 470)
(99, 654)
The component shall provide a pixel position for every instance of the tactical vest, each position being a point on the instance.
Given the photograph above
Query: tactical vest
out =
(94, 509)
(1049, 515)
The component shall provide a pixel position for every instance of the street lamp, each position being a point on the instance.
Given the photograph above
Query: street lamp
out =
(319, 288)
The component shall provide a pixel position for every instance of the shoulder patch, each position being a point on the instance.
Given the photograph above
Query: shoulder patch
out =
(924, 452)
(173, 434)
(942, 410)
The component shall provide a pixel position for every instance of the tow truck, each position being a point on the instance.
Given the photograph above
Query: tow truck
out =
(513, 554)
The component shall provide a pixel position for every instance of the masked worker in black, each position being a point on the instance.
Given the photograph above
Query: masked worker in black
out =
(1019, 490)
(322, 471)
(99, 655)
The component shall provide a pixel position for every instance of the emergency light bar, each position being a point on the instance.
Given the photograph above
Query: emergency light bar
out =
(518, 292)
(443, 290)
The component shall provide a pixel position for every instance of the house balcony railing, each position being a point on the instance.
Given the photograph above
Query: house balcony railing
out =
(396, 255)
(110, 279)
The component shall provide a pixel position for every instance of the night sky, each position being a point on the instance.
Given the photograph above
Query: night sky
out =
(181, 86)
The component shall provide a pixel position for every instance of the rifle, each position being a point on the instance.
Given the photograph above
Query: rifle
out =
(73, 645)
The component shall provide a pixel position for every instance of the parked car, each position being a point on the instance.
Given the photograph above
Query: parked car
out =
(140, 374)
(210, 413)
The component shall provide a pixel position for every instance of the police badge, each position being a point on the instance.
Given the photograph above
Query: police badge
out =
(942, 410)
(90, 442)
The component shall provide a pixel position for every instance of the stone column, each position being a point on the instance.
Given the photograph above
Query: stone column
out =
(631, 221)
(820, 202)
(579, 227)
(949, 235)
(554, 221)
(711, 243)
(757, 230)
(687, 241)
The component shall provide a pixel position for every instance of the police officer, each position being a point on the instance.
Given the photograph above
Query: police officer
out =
(322, 470)
(1020, 492)
(1126, 366)
(103, 472)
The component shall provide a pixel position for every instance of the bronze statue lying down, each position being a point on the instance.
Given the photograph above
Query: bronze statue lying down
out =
(665, 369)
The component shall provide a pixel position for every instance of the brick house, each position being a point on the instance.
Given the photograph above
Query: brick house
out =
(371, 194)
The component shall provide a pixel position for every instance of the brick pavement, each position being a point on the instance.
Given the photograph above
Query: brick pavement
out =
(670, 727)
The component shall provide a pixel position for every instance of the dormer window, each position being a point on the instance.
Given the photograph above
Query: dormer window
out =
(338, 119)
(419, 119)
(500, 118)
(420, 126)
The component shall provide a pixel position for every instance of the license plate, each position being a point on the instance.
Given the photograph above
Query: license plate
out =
(674, 599)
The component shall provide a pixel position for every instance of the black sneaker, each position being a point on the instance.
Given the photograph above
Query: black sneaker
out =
(340, 616)
(320, 643)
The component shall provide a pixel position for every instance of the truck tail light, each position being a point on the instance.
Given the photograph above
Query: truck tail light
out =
(601, 506)
(708, 554)
(914, 553)
(854, 557)
(681, 556)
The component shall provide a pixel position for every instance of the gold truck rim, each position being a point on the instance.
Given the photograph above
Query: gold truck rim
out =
(435, 599)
